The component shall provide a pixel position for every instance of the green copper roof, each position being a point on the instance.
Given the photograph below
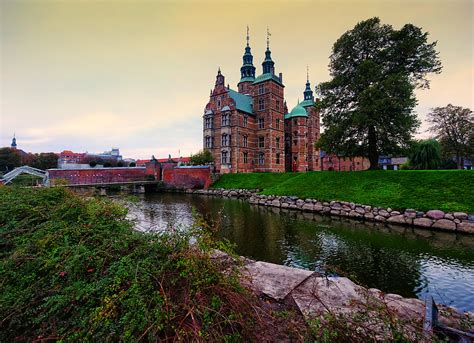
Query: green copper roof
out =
(306, 103)
(247, 78)
(266, 77)
(242, 102)
(298, 111)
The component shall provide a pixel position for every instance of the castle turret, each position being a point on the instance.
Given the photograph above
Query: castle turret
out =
(247, 71)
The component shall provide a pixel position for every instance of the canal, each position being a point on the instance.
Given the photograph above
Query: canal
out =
(407, 261)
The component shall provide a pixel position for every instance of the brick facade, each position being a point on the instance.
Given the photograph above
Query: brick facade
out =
(248, 130)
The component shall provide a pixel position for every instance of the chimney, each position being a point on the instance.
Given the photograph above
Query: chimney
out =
(280, 76)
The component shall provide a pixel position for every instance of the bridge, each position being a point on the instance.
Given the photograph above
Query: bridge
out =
(10, 176)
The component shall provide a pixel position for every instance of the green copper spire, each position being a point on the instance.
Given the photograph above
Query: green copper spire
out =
(308, 93)
(268, 64)
(247, 71)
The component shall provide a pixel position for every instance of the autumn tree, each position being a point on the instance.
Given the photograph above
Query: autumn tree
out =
(367, 106)
(453, 126)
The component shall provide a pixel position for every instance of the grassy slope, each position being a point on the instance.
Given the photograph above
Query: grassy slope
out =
(449, 190)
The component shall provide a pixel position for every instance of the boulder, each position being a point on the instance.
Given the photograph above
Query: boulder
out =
(394, 213)
(308, 207)
(398, 219)
(380, 218)
(369, 216)
(466, 227)
(460, 215)
(360, 210)
(444, 224)
(384, 213)
(275, 203)
(449, 216)
(424, 222)
(335, 212)
(435, 214)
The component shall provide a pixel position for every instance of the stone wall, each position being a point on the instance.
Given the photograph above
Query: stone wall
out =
(187, 177)
(435, 219)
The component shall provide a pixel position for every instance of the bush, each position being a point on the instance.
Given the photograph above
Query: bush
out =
(92, 164)
(74, 269)
(203, 157)
(132, 164)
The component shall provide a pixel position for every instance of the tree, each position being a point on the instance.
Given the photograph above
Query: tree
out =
(201, 158)
(9, 160)
(454, 127)
(426, 155)
(45, 160)
(367, 106)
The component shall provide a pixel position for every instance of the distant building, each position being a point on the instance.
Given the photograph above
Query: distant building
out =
(176, 160)
(392, 163)
(13, 145)
(69, 159)
(333, 162)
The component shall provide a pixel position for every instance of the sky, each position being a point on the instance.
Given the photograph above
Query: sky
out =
(90, 75)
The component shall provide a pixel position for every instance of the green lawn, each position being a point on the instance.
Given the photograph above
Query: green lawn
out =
(447, 190)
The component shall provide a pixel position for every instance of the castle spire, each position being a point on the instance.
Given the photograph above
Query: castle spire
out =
(268, 64)
(13, 145)
(247, 71)
(308, 93)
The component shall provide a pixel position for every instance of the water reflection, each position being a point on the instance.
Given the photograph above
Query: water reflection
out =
(407, 261)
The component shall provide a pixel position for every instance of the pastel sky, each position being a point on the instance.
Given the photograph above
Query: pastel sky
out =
(91, 75)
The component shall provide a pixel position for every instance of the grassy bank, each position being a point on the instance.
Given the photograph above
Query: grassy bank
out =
(449, 190)
(74, 269)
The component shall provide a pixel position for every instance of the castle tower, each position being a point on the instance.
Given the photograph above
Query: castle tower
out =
(296, 139)
(268, 106)
(247, 71)
(313, 124)
(13, 145)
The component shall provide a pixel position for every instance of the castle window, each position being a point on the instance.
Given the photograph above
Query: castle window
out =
(261, 142)
(278, 105)
(226, 119)
(246, 120)
(246, 141)
(261, 123)
(219, 102)
(277, 158)
(209, 142)
(261, 104)
(225, 157)
(261, 90)
(246, 157)
(225, 140)
(278, 124)
(278, 142)
(261, 158)
(208, 123)
(295, 122)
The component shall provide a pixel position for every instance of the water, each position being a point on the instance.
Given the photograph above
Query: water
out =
(410, 262)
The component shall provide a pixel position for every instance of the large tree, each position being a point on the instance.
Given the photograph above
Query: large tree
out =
(367, 106)
(454, 128)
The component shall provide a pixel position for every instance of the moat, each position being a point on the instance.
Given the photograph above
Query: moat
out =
(407, 261)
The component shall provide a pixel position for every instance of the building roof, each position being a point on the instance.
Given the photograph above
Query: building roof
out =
(297, 111)
(306, 103)
(247, 79)
(242, 102)
(266, 77)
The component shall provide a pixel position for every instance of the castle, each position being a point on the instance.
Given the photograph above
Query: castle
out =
(251, 129)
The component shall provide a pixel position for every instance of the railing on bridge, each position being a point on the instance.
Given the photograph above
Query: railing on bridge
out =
(9, 177)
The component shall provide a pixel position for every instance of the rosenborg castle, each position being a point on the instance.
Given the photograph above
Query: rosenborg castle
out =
(251, 129)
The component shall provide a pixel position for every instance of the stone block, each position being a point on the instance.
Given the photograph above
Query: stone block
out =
(308, 207)
(384, 213)
(380, 218)
(335, 212)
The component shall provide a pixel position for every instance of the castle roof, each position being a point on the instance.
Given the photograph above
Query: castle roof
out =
(307, 103)
(266, 77)
(297, 111)
(242, 102)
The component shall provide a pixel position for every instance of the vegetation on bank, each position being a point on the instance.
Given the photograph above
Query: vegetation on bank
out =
(75, 269)
(447, 190)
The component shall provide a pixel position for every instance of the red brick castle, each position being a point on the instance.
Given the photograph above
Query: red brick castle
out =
(251, 130)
